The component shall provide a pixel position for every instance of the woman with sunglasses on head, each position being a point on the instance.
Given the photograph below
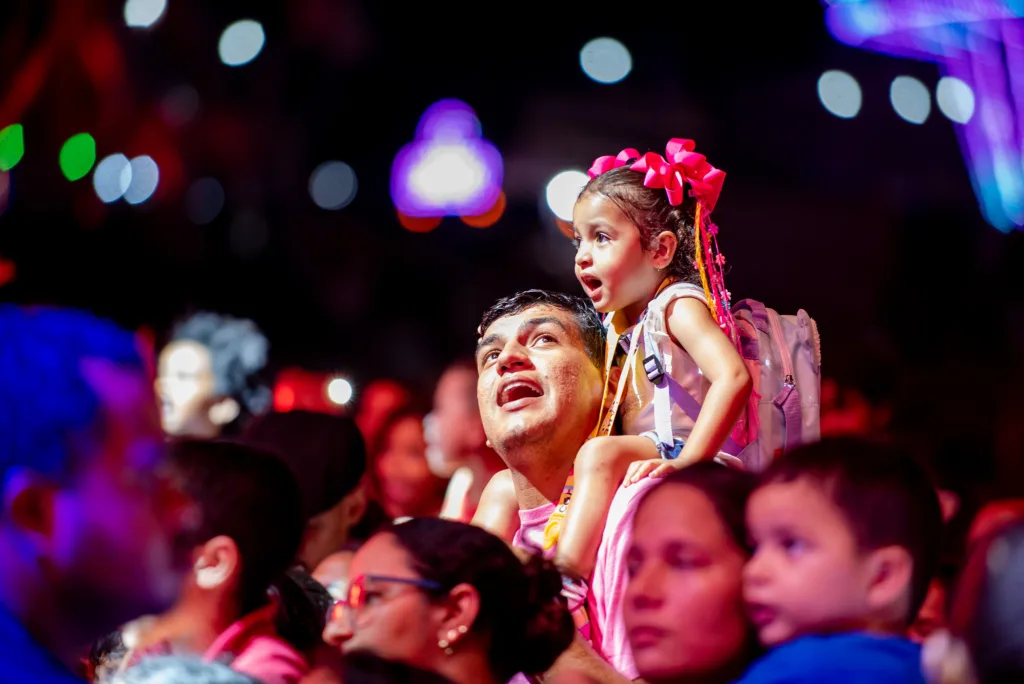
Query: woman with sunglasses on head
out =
(453, 599)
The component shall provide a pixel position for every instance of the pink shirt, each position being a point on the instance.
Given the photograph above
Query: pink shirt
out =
(608, 584)
(251, 646)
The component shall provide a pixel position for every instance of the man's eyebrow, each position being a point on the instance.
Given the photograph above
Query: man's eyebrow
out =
(523, 327)
(541, 320)
(485, 341)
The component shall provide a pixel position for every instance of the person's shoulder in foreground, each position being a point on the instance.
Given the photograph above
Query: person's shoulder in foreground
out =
(851, 658)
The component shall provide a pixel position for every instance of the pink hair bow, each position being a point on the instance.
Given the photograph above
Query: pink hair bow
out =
(608, 162)
(679, 166)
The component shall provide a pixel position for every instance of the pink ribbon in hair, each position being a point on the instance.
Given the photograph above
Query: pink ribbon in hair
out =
(608, 162)
(679, 166)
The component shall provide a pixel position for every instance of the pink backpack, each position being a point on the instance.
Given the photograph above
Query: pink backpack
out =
(783, 356)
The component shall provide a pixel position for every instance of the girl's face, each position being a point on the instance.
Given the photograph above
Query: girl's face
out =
(613, 267)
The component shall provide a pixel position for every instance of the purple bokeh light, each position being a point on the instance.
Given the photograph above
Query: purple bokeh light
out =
(980, 43)
(449, 169)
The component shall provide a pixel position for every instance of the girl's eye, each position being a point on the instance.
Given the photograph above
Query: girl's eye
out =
(602, 237)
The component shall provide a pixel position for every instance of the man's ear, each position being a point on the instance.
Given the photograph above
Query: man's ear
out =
(217, 562)
(354, 505)
(223, 411)
(29, 505)
(890, 577)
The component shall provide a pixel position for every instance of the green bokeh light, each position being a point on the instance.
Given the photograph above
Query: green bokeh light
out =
(77, 156)
(12, 146)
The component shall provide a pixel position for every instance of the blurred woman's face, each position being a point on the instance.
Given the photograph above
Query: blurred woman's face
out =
(397, 621)
(407, 485)
(683, 562)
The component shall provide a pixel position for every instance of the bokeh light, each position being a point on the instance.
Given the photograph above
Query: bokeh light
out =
(333, 185)
(562, 192)
(204, 200)
(145, 178)
(911, 99)
(143, 13)
(77, 155)
(840, 93)
(449, 169)
(12, 146)
(112, 177)
(241, 42)
(418, 224)
(339, 390)
(488, 218)
(606, 60)
(955, 99)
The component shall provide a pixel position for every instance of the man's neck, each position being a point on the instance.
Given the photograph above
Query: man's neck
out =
(192, 626)
(537, 481)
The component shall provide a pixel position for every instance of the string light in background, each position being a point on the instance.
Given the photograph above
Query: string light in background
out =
(12, 146)
(840, 93)
(911, 99)
(143, 13)
(241, 42)
(340, 391)
(333, 185)
(77, 156)
(112, 177)
(562, 192)
(606, 60)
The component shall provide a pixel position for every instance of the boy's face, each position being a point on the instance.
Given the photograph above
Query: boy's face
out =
(807, 574)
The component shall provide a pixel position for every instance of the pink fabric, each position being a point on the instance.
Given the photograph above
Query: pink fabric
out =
(608, 584)
(251, 646)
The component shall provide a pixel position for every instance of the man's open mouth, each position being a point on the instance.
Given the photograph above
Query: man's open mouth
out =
(516, 390)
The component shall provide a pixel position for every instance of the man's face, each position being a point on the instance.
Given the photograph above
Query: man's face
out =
(115, 550)
(536, 385)
(185, 385)
(453, 428)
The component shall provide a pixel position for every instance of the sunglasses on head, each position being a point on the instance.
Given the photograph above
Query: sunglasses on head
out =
(355, 595)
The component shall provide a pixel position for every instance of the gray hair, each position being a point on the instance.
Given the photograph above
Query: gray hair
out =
(180, 670)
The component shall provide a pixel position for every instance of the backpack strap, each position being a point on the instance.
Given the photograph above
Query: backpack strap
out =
(658, 362)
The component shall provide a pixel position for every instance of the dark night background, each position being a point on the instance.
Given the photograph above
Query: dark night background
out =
(868, 223)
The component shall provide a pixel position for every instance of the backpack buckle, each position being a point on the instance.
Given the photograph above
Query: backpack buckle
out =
(655, 371)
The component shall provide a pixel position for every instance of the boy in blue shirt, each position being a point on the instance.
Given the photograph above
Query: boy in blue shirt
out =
(847, 535)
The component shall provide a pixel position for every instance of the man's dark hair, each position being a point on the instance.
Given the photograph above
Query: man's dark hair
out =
(588, 323)
(326, 454)
(886, 497)
(250, 496)
(44, 398)
(238, 353)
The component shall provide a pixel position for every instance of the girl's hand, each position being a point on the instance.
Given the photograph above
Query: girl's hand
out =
(659, 467)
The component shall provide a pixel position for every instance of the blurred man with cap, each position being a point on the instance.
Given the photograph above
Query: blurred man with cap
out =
(327, 455)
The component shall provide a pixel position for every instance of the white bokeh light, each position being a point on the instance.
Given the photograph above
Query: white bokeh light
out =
(606, 60)
(562, 192)
(840, 93)
(145, 178)
(333, 185)
(241, 42)
(339, 390)
(448, 174)
(112, 177)
(911, 99)
(955, 99)
(143, 13)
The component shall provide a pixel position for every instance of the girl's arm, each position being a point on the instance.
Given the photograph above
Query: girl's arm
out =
(691, 327)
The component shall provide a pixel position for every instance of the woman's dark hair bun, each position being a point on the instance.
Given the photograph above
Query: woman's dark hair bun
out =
(549, 627)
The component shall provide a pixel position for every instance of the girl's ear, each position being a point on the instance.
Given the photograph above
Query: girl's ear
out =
(664, 249)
